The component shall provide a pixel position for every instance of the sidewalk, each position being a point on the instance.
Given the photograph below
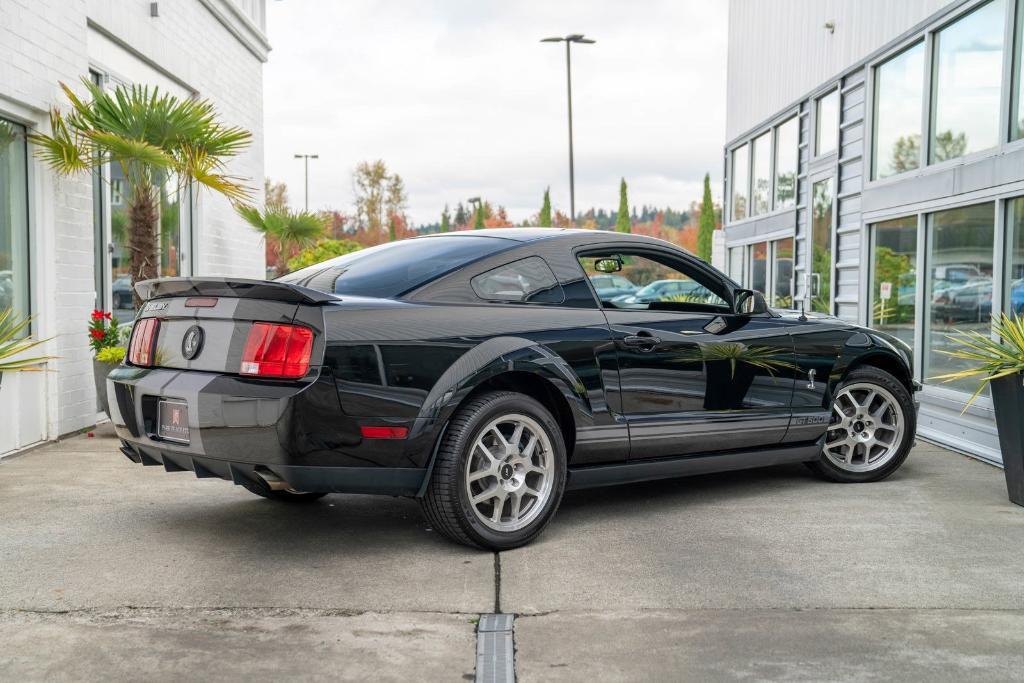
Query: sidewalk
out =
(110, 569)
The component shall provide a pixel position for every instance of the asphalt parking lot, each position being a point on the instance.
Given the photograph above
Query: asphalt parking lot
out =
(109, 570)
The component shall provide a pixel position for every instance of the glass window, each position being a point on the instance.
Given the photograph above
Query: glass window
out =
(787, 149)
(1017, 109)
(827, 134)
(740, 181)
(99, 242)
(782, 273)
(1014, 290)
(968, 72)
(529, 280)
(736, 264)
(899, 98)
(761, 195)
(120, 256)
(391, 269)
(894, 277)
(821, 242)
(662, 282)
(14, 257)
(759, 267)
(959, 288)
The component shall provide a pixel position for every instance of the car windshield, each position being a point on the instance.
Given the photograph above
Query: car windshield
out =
(391, 269)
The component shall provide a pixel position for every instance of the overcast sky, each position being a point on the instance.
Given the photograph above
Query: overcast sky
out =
(461, 99)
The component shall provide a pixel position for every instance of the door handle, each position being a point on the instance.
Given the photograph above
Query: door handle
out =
(644, 342)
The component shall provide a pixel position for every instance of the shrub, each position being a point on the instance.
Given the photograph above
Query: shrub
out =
(322, 251)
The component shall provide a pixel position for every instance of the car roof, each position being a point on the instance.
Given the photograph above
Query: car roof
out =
(534, 234)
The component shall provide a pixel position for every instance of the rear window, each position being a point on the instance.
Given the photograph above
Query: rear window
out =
(391, 269)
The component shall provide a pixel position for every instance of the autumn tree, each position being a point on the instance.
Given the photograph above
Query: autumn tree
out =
(276, 194)
(622, 224)
(446, 220)
(545, 210)
(707, 222)
(380, 197)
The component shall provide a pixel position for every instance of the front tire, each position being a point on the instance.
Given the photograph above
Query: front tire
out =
(499, 473)
(871, 430)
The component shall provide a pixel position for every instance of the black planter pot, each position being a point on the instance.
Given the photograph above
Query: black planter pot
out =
(99, 373)
(1008, 397)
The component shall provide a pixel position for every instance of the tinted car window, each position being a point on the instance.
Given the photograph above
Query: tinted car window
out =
(391, 269)
(528, 280)
(663, 283)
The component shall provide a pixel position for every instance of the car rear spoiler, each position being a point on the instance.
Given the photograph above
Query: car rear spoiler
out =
(238, 288)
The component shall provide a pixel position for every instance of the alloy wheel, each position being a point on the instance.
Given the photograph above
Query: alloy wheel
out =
(866, 430)
(510, 472)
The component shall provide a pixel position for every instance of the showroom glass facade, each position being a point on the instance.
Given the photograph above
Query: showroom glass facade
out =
(14, 228)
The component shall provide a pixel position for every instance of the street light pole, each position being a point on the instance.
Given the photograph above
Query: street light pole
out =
(305, 158)
(569, 40)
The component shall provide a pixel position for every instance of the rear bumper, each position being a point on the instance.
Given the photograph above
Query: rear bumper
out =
(240, 427)
(392, 481)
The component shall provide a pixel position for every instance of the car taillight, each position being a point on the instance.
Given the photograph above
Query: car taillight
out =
(277, 351)
(142, 348)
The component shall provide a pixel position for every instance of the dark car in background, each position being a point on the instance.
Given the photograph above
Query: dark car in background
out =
(484, 374)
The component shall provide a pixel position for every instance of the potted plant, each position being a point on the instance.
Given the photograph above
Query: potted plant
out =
(105, 340)
(13, 344)
(998, 361)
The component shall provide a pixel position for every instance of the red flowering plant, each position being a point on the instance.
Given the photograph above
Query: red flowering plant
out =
(103, 331)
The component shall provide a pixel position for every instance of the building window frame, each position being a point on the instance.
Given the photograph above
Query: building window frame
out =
(28, 304)
(771, 129)
(927, 33)
(832, 88)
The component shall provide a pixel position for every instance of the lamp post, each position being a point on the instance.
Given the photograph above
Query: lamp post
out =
(569, 40)
(305, 158)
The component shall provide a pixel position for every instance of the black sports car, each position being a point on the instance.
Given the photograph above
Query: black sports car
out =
(480, 373)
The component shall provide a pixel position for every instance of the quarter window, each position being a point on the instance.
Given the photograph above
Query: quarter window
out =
(14, 250)
(968, 74)
(899, 99)
(527, 281)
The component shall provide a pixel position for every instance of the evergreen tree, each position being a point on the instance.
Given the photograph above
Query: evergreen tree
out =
(478, 224)
(461, 218)
(707, 222)
(392, 231)
(622, 224)
(545, 209)
(445, 220)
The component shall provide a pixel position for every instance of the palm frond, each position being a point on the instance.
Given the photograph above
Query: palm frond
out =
(12, 344)
(64, 151)
(992, 356)
(130, 151)
(299, 228)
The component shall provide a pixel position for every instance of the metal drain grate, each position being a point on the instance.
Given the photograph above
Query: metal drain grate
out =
(495, 649)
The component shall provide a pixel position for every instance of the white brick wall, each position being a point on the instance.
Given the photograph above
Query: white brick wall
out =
(43, 42)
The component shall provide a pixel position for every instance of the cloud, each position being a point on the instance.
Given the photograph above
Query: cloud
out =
(462, 99)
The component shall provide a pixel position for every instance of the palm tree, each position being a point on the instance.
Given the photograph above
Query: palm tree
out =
(285, 230)
(150, 135)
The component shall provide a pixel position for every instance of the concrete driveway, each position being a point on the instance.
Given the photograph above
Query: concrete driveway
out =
(113, 571)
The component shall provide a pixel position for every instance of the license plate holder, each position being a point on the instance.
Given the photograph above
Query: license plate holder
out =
(172, 421)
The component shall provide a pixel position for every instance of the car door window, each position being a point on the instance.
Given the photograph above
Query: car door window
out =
(527, 281)
(657, 281)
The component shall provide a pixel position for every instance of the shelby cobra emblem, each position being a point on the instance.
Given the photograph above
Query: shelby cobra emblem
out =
(192, 342)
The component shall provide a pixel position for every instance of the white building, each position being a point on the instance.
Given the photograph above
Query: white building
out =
(61, 243)
(875, 170)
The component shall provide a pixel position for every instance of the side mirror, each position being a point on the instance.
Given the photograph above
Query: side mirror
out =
(607, 265)
(749, 302)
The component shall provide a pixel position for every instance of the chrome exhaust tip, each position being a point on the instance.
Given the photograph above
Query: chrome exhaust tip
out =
(275, 482)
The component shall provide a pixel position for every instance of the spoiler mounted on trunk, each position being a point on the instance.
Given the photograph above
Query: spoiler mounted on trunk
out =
(238, 288)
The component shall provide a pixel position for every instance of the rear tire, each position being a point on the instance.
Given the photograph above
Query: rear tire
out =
(499, 474)
(872, 428)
